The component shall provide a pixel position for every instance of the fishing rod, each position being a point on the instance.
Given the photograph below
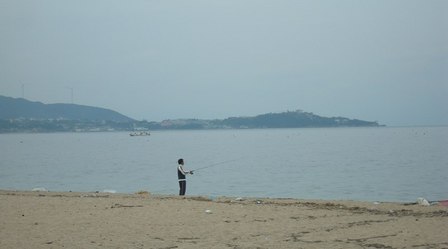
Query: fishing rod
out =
(216, 164)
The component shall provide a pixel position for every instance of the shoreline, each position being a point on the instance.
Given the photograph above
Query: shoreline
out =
(109, 193)
(142, 220)
(212, 196)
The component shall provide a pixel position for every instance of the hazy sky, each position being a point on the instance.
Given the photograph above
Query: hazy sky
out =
(377, 60)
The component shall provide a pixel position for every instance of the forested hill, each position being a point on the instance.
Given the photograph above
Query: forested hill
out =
(13, 108)
(295, 119)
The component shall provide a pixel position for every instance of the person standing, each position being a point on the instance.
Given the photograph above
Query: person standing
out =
(181, 175)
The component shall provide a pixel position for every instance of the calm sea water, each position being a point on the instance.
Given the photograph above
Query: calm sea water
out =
(374, 164)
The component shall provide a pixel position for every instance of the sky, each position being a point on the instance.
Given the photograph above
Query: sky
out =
(375, 60)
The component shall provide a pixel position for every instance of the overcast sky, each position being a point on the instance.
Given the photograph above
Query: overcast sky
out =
(376, 60)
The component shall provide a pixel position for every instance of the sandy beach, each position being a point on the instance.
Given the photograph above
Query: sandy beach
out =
(141, 220)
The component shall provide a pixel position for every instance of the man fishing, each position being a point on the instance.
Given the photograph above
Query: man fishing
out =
(181, 175)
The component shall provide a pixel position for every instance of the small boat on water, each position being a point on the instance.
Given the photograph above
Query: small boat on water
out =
(139, 133)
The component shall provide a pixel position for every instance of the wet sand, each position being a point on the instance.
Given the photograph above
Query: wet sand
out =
(102, 220)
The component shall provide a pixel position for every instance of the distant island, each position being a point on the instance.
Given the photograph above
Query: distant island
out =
(21, 115)
(289, 119)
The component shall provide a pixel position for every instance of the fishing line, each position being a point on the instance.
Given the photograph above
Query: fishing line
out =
(216, 164)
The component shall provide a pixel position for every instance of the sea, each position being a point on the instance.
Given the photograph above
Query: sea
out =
(397, 164)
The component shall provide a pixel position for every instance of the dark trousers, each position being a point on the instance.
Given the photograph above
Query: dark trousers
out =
(182, 187)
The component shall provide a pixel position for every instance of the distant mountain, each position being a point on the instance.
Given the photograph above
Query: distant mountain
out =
(18, 108)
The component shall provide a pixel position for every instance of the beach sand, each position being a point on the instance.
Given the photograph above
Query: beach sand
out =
(102, 220)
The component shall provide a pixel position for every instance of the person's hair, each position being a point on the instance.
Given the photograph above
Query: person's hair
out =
(180, 161)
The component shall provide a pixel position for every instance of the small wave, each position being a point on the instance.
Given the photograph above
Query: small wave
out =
(110, 191)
